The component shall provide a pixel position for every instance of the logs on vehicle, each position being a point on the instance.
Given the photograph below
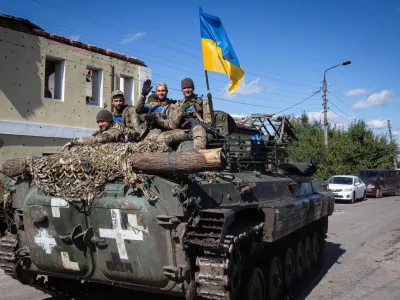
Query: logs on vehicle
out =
(184, 162)
(80, 175)
(16, 166)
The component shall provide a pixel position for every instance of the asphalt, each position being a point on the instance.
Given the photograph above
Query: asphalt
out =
(362, 259)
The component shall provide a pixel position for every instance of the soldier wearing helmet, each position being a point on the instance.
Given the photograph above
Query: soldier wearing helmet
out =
(127, 114)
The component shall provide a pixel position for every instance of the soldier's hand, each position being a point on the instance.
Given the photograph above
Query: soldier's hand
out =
(146, 87)
(185, 106)
(66, 146)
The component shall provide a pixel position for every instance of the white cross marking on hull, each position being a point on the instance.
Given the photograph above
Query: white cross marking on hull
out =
(46, 241)
(120, 234)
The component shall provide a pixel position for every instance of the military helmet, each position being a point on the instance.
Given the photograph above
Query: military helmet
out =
(117, 93)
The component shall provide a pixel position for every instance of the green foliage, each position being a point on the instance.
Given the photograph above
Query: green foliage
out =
(349, 150)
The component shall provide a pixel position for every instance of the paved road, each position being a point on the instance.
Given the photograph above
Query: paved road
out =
(362, 259)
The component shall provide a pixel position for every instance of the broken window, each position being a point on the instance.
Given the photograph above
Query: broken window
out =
(94, 86)
(126, 85)
(54, 78)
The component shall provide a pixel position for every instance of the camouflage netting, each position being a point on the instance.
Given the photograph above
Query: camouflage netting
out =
(80, 175)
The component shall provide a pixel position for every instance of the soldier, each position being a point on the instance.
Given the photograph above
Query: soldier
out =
(109, 132)
(198, 109)
(127, 115)
(161, 109)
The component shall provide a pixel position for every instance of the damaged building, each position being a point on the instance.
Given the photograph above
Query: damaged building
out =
(52, 87)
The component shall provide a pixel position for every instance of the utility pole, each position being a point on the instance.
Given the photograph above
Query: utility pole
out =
(324, 87)
(391, 139)
(325, 105)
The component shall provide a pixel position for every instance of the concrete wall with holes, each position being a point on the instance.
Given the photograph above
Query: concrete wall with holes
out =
(27, 118)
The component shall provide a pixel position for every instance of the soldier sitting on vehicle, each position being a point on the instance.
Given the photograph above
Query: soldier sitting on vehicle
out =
(109, 132)
(127, 115)
(196, 108)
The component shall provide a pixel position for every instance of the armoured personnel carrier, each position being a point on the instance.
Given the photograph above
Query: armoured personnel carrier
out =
(251, 231)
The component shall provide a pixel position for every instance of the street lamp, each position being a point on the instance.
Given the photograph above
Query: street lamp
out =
(325, 104)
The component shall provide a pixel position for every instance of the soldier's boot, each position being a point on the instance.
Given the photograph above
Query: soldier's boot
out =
(173, 137)
(199, 137)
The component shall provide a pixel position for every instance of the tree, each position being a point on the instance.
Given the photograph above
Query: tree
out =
(349, 150)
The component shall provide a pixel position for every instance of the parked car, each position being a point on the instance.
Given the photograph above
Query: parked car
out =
(381, 182)
(347, 187)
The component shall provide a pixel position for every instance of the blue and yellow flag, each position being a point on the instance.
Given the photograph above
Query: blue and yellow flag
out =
(218, 53)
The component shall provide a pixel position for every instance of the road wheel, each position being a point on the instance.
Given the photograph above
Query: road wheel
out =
(300, 261)
(353, 198)
(308, 253)
(274, 280)
(378, 193)
(255, 285)
(397, 191)
(364, 196)
(289, 270)
(316, 247)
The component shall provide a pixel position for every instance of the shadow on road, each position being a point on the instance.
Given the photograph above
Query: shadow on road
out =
(332, 254)
(117, 293)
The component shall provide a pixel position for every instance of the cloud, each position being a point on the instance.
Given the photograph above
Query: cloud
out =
(378, 123)
(333, 119)
(245, 88)
(356, 92)
(131, 37)
(75, 37)
(376, 99)
(396, 132)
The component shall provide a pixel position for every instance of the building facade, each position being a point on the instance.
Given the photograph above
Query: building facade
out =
(51, 87)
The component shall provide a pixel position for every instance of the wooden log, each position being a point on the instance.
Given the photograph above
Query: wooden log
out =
(16, 166)
(184, 162)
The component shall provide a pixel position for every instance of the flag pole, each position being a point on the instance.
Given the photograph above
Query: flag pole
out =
(210, 103)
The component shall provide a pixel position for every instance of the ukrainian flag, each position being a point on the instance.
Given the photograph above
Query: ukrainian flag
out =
(218, 54)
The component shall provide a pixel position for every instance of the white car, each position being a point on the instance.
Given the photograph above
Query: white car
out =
(349, 188)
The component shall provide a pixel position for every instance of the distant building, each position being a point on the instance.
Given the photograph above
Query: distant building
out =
(51, 87)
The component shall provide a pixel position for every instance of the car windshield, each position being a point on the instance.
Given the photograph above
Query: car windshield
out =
(341, 180)
(366, 175)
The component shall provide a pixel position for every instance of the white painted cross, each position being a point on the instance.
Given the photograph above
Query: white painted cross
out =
(119, 234)
(46, 241)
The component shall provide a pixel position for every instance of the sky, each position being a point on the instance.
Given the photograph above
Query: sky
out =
(284, 48)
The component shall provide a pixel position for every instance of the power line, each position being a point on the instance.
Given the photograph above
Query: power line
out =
(163, 76)
(299, 102)
(147, 54)
(155, 42)
(341, 110)
(345, 119)
(179, 42)
(174, 89)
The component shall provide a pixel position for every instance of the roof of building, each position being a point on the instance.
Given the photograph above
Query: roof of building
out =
(26, 26)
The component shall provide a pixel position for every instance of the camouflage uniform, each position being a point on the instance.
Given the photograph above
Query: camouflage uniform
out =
(114, 134)
(131, 121)
(200, 110)
(166, 119)
(165, 127)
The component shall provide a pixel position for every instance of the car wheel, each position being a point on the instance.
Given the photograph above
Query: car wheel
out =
(364, 196)
(353, 199)
(397, 192)
(378, 193)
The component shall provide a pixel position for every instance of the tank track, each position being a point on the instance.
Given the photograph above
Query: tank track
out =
(219, 265)
(14, 260)
(10, 261)
(8, 256)
(220, 268)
